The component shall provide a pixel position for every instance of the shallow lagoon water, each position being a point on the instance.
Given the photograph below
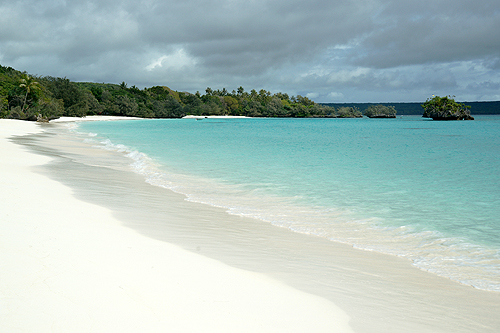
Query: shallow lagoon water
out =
(425, 190)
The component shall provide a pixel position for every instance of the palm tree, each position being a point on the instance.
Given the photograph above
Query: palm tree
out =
(28, 83)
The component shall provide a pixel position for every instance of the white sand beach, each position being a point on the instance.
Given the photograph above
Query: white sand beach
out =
(70, 266)
(214, 117)
(85, 255)
(91, 118)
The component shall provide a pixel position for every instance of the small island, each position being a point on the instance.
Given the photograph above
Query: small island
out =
(445, 108)
(380, 111)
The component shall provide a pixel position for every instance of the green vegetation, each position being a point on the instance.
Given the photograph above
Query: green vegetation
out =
(413, 108)
(26, 97)
(348, 112)
(29, 97)
(380, 111)
(27, 83)
(445, 108)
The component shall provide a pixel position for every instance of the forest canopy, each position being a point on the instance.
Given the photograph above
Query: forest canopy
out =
(380, 111)
(23, 96)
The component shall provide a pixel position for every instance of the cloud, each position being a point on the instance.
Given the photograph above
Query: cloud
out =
(425, 32)
(312, 95)
(178, 60)
(336, 96)
(385, 49)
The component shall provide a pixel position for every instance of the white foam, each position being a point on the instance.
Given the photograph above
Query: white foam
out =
(452, 258)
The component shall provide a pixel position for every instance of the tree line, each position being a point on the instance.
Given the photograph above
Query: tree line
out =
(23, 96)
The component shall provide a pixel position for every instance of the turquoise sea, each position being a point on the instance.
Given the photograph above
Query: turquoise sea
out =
(425, 190)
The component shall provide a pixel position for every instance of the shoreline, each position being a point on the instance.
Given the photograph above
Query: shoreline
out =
(71, 266)
(115, 118)
(378, 292)
(443, 254)
(214, 117)
(92, 118)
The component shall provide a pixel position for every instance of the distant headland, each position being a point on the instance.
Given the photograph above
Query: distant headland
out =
(414, 108)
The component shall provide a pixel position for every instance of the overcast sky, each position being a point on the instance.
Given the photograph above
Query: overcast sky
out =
(328, 50)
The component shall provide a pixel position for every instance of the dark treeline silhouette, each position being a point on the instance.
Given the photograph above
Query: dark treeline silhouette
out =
(416, 108)
(24, 96)
(34, 98)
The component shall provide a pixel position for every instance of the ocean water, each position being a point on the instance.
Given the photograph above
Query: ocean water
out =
(425, 190)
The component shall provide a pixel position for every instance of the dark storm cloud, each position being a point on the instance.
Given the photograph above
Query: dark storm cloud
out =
(425, 31)
(331, 50)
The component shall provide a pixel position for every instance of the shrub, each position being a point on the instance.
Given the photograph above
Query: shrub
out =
(380, 111)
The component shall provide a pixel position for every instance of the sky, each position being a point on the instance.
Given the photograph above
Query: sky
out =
(328, 50)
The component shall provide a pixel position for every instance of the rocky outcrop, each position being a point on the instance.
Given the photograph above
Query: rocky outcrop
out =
(42, 119)
(452, 117)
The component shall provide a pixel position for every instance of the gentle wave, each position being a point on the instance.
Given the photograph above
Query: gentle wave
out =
(455, 259)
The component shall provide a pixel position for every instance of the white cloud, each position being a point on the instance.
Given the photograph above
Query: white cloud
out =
(312, 95)
(348, 76)
(336, 96)
(177, 60)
